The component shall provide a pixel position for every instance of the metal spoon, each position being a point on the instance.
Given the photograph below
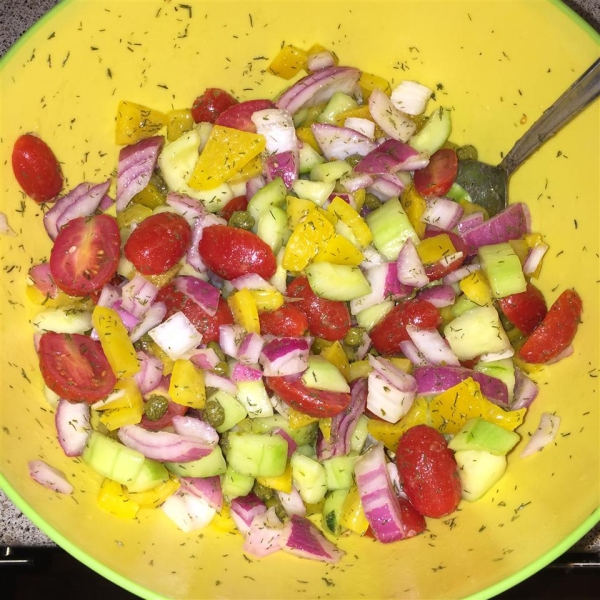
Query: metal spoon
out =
(488, 185)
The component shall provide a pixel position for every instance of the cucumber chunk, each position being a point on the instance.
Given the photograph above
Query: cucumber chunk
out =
(462, 305)
(337, 282)
(207, 466)
(504, 370)
(338, 104)
(478, 472)
(360, 433)
(340, 472)
(369, 317)
(272, 228)
(257, 455)
(435, 132)
(302, 435)
(479, 434)
(253, 396)
(273, 194)
(234, 410)
(61, 320)
(323, 375)
(502, 269)
(235, 484)
(330, 171)
(309, 477)
(152, 474)
(332, 510)
(308, 159)
(316, 191)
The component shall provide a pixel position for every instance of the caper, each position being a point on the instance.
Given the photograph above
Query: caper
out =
(467, 152)
(215, 346)
(241, 219)
(224, 441)
(214, 413)
(355, 336)
(506, 324)
(372, 201)
(353, 160)
(262, 491)
(158, 182)
(222, 368)
(276, 502)
(155, 407)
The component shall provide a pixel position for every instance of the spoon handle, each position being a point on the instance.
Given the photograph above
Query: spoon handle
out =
(584, 91)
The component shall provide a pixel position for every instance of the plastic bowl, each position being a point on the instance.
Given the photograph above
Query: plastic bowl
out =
(498, 65)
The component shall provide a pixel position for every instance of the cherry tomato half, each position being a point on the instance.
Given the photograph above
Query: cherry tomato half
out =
(211, 104)
(525, 310)
(286, 321)
(239, 116)
(239, 203)
(36, 169)
(438, 176)
(158, 243)
(327, 319)
(85, 254)
(75, 367)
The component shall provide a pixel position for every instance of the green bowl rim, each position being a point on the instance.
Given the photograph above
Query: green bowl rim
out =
(143, 592)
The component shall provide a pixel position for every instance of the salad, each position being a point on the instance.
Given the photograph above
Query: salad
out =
(290, 321)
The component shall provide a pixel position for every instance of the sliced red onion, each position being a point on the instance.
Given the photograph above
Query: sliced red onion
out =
(363, 126)
(200, 292)
(136, 165)
(384, 285)
(442, 213)
(105, 203)
(49, 477)
(244, 509)
(263, 537)
(301, 538)
(253, 185)
(364, 347)
(176, 336)
(195, 428)
(386, 186)
(356, 181)
(410, 269)
(292, 502)
(230, 338)
(525, 391)
(189, 208)
(413, 354)
(372, 258)
(410, 97)
(164, 446)
(193, 254)
(284, 165)
(251, 281)
(188, 511)
(344, 423)
(205, 358)
(320, 60)
(221, 383)
(109, 295)
(492, 356)
(149, 376)
(544, 435)
(285, 356)
(207, 488)
(137, 295)
(241, 372)
(438, 295)
(72, 422)
(389, 118)
(391, 156)
(250, 348)
(460, 273)
(277, 126)
(468, 222)
(42, 279)
(153, 317)
(396, 377)
(129, 320)
(534, 258)
(510, 224)
(292, 445)
(432, 346)
(338, 143)
(385, 400)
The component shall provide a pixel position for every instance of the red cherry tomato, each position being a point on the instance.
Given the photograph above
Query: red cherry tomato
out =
(525, 310)
(230, 252)
(286, 321)
(438, 270)
(206, 325)
(556, 331)
(239, 116)
(75, 367)
(315, 403)
(438, 176)
(391, 330)
(428, 471)
(211, 104)
(36, 169)
(239, 203)
(85, 254)
(158, 243)
(327, 319)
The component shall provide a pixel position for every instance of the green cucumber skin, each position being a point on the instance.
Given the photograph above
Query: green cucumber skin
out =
(502, 269)
(152, 474)
(338, 104)
(273, 194)
(340, 472)
(309, 477)
(479, 434)
(272, 228)
(435, 132)
(208, 466)
(308, 159)
(332, 510)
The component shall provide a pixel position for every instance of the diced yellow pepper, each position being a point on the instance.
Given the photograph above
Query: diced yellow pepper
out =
(136, 122)
(433, 249)
(296, 419)
(470, 208)
(336, 356)
(226, 152)
(179, 122)
(164, 278)
(187, 384)
(325, 427)
(223, 522)
(150, 196)
(368, 82)
(134, 213)
(288, 62)
(248, 171)
(520, 248)
(359, 198)
(267, 299)
(245, 312)
(446, 314)
(362, 112)
(297, 210)
(339, 251)
(343, 211)
(327, 215)
(281, 483)
(62, 300)
(128, 409)
(113, 499)
(476, 288)
(527, 367)
(414, 205)
(306, 135)
(451, 409)
(358, 369)
(117, 346)
(353, 515)
(533, 239)
(402, 363)
(306, 240)
(156, 496)
(149, 345)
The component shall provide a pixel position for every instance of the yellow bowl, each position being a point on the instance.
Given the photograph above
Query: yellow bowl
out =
(498, 64)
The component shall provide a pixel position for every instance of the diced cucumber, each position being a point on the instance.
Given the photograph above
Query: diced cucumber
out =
(208, 466)
(62, 320)
(344, 230)
(52, 397)
(462, 305)
(272, 228)
(435, 132)
(299, 117)
(279, 280)
(360, 434)
(458, 193)
(340, 472)
(257, 455)
(152, 474)
(308, 158)
(478, 471)
(254, 398)
(323, 375)
(332, 510)
(307, 450)
(330, 171)
(302, 435)
(273, 194)
(390, 227)
(369, 317)
(479, 434)
(112, 459)
(337, 282)
(476, 332)
(309, 477)
(316, 191)
(338, 104)
(234, 410)
(502, 269)
(504, 370)
(235, 484)
(216, 199)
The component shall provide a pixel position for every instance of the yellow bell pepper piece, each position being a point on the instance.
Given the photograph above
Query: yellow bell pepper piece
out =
(248, 171)
(368, 82)
(164, 278)
(267, 299)
(353, 515)
(390, 433)
(149, 345)
(117, 346)
(297, 419)
(297, 209)
(288, 62)
(362, 112)
(150, 197)
(451, 409)
(113, 499)
(156, 496)
(325, 427)
(476, 288)
(359, 198)
(308, 237)
(414, 205)
(433, 249)
(245, 312)
(327, 215)
(401, 363)
(281, 483)
(187, 384)
(223, 523)
(62, 300)
(179, 122)
(336, 356)
(136, 122)
(446, 314)
(128, 409)
(226, 152)
(527, 367)
(305, 135)
(358, 369)
(470, 208)
(343, 211)
(533, 239)
(339, 251)
(520, 248)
